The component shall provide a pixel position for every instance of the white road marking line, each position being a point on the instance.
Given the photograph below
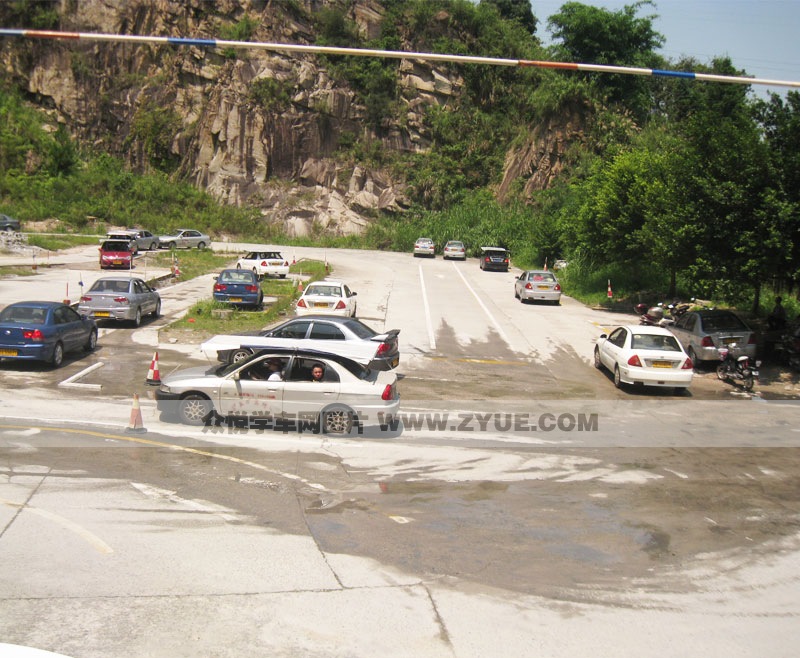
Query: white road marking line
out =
(483, 306)
(429, 324)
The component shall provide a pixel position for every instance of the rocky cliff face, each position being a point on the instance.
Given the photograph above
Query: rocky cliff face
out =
(253, 127)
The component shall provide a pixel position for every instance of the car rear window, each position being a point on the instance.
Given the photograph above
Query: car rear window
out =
(325, 291)
(723, 322)
(26, 314)
(655, 342)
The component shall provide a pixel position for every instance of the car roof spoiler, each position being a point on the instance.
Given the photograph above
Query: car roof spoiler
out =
(392, 333)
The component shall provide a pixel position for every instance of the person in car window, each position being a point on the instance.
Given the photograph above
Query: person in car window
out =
(275, 367)
(317, 372)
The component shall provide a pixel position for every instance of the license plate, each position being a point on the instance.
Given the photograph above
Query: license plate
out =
(117, 262)
(542, 287)
(729, 341)
(235, 300)
(102, 314)
(395, 362)
(8, 352)
(321, 305)
(662, 364)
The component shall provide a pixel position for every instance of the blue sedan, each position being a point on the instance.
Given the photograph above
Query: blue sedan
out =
(44, 331)
(239, 287)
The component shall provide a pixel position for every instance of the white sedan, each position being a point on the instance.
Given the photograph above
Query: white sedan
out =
(648, 356)
(249, 395)
(326, 296)
(264, 263)
(329, 333)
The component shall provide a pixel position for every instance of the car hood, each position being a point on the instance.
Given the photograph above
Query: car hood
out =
(182, 376)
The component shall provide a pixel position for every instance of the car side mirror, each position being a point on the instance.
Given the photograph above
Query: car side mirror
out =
(353, 294)
(603, 335)
(236, 376)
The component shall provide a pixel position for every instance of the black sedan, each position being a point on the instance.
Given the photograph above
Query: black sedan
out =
(44, 331)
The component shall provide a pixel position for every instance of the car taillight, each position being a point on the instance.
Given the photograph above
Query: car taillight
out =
(33, 334)
(86, 298)
(340, 305)
(382, 349)
(557, 287)
(707, 342)
(263, 263)
(220, 287)
(252, 288)
(301, 302)
(634, 361)
(687, 365)
(505, 260)
(487, 260)
(120, 300)
(286, 263)
(388, 392)
(528, 286)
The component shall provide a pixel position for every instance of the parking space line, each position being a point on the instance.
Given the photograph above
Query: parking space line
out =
(483, 306)
(428, 323)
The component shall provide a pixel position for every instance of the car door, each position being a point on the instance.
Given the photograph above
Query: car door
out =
(519, 284)
(328, 337)
(612, 348)
(70, 327)
(683, 329)
(349, 297)
(304, 399)
(144, 297)
(241, 394)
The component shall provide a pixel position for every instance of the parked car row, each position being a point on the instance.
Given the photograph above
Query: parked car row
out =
(666, 356)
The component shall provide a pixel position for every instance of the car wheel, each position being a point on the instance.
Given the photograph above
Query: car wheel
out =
(693, 356)
(239, 355)
(58, 355)
(337, 420)
(201, 245)
(748, 382)
(137, 319)
(91, 342)
(171, 245)
(194, 408)
(680, 390)
(617, 377)
(516, 294)
(157, 310)
(597, 361)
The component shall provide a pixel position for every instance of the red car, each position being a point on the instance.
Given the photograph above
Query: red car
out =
(116, 253)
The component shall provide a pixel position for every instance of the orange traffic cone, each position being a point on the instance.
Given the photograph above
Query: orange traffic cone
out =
(299, 286)
(153, 377)
(610, 294)
(136, 424)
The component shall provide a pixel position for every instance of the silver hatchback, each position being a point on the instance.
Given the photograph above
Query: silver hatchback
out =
(702, 333)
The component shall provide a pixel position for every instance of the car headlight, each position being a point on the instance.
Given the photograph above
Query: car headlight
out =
(164, 388)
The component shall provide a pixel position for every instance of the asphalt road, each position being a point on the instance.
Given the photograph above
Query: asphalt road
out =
(523, 506)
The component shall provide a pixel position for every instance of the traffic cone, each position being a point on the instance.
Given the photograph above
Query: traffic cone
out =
(610, 294)
(153, 377)
(299, 286)
(136, 423)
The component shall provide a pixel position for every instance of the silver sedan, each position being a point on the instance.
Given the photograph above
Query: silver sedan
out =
(120, 298)
(537, 285)
(184, 238)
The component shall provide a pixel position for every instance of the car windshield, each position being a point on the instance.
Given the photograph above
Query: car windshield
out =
(455, 245)
(324, 291)
(722, 322)
(541, 276)
(655, 342)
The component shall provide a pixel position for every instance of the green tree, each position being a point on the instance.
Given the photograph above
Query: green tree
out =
(516, 10)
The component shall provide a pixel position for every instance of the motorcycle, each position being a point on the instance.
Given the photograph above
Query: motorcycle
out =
(653, 316)
(677, 309)
(737, 369)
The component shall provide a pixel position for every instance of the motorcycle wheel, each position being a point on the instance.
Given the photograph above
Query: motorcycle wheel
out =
(722, 372)
(747, 382)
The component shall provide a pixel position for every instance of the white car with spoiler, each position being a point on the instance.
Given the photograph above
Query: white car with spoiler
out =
(347, 337)
(264, 263)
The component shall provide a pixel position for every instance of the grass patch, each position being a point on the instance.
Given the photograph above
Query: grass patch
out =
(200, 319)
(57, 242)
